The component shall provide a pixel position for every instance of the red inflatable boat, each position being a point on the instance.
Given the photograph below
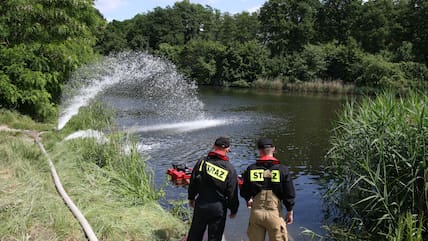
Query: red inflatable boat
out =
(180, 174)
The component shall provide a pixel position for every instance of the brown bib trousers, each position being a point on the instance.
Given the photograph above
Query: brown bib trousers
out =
(266, 215)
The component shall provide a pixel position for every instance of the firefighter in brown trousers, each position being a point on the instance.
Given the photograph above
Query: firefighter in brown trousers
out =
(267, 183)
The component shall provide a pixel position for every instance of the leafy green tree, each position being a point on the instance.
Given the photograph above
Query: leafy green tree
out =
(337, 19)
(228, 29)
(135, 33)
(41, 42)
(241, 27)
(171, 52)
(201, 61)
(248, 26)
(341, 60)
(373, 28)
(308, 65)
(176, 25)
(287, 25)
(244, 61)
(198, 21)
(404, 53)
(113, 38)
(417, 14)
(163, 26)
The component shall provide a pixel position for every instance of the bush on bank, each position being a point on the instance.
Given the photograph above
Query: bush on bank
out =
(379, 165)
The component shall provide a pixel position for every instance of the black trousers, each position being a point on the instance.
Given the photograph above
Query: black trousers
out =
(212, 215)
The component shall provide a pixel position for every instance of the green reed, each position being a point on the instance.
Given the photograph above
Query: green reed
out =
(124, 167)
(379, 162)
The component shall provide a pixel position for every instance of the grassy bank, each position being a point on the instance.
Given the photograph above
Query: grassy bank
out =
(108, 182)
(380, 169)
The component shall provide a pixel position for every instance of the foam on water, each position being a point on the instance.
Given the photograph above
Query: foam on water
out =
(144, 76)
(180, 126)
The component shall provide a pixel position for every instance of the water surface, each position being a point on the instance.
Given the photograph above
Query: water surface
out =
(300, 126)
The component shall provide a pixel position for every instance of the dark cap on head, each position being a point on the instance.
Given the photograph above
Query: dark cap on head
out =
(264, 143)
(222, 142)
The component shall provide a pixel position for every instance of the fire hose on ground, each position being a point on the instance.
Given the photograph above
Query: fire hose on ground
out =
(73, 208)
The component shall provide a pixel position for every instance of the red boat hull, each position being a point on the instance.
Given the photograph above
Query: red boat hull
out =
(179, 175)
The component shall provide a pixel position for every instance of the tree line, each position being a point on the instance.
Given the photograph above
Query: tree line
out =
(369, 44)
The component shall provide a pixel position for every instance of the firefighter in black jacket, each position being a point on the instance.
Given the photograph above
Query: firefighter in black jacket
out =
(213, 188)
(266, 184)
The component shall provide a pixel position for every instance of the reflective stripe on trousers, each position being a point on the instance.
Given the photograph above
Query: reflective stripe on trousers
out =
(265, 217)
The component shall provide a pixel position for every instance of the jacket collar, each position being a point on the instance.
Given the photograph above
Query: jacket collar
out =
(218, 155)
(267, 159)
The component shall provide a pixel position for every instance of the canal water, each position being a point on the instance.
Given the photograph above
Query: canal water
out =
(299, 124)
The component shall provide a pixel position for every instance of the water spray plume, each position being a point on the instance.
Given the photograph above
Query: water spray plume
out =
(145, 76)
(180, 126)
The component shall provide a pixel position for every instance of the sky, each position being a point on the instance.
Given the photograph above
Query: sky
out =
(126, 9)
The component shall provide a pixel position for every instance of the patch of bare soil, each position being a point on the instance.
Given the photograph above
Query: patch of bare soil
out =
(39, 232)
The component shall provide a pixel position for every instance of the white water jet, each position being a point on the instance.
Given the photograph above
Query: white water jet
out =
(140, 148)
(99, 136)
(150, 78)
(180, 126)
(102, 139)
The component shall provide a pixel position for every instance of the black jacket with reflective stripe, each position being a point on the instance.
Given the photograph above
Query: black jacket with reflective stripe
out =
(214, 180)
(284, 189)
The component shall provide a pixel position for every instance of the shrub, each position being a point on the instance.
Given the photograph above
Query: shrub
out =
(375, 71)
(340, 61)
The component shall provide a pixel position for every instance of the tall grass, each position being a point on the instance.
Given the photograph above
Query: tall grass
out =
(332, 87)
(108, 182)
(125, 168)
(379, 161)
(275, 84)
(408, 228)
(96, 116)
(14, 120)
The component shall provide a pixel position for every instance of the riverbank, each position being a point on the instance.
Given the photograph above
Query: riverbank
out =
(30, 207)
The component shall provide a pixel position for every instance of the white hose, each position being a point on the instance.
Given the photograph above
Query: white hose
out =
(76, 212)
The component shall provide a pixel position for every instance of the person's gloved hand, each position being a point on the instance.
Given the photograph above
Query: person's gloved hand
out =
(289, 217)
(249, 203)
(192, 203)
